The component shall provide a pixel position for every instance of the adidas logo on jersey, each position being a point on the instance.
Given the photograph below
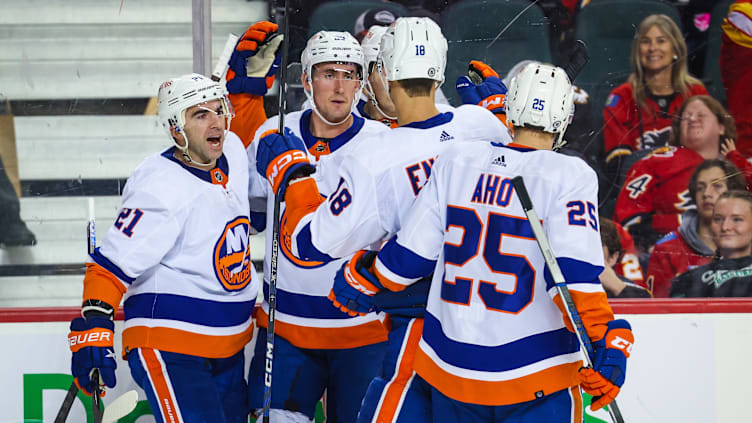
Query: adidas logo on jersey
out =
(499, 161)
(445, 136)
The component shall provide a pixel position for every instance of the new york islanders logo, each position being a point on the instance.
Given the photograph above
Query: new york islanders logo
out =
(232, 255)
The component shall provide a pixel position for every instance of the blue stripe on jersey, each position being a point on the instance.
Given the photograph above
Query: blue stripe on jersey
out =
(310, 140)
(513, 355)
(186, 309)
(308, 306)
(404, 262)
(306, 249)
(437, 120)
(574, 271)
(667, 238)
(110, 266)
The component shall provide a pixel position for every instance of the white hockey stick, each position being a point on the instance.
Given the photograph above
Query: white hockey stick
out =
(561, 285)
(224, 58)
(120, 407)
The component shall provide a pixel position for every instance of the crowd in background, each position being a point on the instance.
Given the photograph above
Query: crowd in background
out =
(667, 148)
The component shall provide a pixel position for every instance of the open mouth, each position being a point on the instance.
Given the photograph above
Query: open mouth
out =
(214, 141)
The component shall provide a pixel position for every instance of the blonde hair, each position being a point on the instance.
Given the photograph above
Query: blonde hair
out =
(681, 80)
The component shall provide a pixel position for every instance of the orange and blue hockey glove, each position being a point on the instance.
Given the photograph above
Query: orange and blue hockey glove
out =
(355, 286)
(255, 60)
(282, 158)
(487, 91)
(604, 380)
(91, 341)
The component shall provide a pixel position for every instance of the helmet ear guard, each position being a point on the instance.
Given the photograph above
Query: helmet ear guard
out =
(541, 97)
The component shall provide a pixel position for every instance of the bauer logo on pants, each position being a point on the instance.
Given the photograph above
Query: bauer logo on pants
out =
(232, 255)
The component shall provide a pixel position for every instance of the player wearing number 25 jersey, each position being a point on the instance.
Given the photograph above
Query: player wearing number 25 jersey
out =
(496, 343)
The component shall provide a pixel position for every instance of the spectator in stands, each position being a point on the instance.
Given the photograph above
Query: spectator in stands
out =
(13, 230)
(692, 244)
(736, 70)
(655, 191)
(638, 113)
(616, 286)
(730, 272)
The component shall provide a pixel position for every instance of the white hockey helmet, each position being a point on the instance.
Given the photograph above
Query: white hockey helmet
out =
(332, 46)
(540, 97)
(176, 95)
(413, 48)
(372, 43)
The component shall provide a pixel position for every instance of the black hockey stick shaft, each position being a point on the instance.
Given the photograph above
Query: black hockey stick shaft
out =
(561, 286)
(65, 408)
(577, 60)
(272, 300)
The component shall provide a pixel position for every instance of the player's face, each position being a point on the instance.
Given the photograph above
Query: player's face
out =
(699, 126)
(656, 51)
(732, 227)
(205, 127)
(711, 183)
(335, 85)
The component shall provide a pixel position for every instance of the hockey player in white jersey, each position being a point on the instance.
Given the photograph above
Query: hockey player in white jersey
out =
(317, 346)
(178, 254)
(497, 345)
(379, 179)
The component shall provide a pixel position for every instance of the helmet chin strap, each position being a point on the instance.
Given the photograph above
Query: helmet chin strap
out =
(184, 149)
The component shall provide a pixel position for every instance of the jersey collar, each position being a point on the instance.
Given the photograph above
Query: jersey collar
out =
(437, 120)
(310, 140)
(515, 146)
(205, 175)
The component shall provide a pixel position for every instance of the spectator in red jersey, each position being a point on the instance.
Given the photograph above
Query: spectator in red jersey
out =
(638, 113)
(629, 264)
(655, 194)
(616, 286)
(692, 244)
(736, 70)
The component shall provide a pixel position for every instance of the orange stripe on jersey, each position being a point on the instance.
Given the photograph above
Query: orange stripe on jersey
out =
(494, 393)
(101, 284)
(249, 115)
(158, 379)
(301, 199)
(184, 342)
(326, 338)
(397, 386)
(595, 312)
(577, 409)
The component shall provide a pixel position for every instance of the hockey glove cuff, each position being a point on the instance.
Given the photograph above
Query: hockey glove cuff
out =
(488, 91)
(282, 158)
(355, 286)
(91, 342)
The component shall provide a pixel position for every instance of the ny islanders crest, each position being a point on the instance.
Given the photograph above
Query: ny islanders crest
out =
(232, 255)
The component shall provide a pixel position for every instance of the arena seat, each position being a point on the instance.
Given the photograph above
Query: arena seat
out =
(472, 26)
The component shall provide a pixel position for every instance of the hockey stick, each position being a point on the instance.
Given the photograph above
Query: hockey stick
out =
(561, 286)
(65, 408)
(224, 58)
(91, 242)
(275, 228)
(577, 60)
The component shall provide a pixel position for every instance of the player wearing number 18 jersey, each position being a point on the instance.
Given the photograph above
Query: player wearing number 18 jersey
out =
(496, 344)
